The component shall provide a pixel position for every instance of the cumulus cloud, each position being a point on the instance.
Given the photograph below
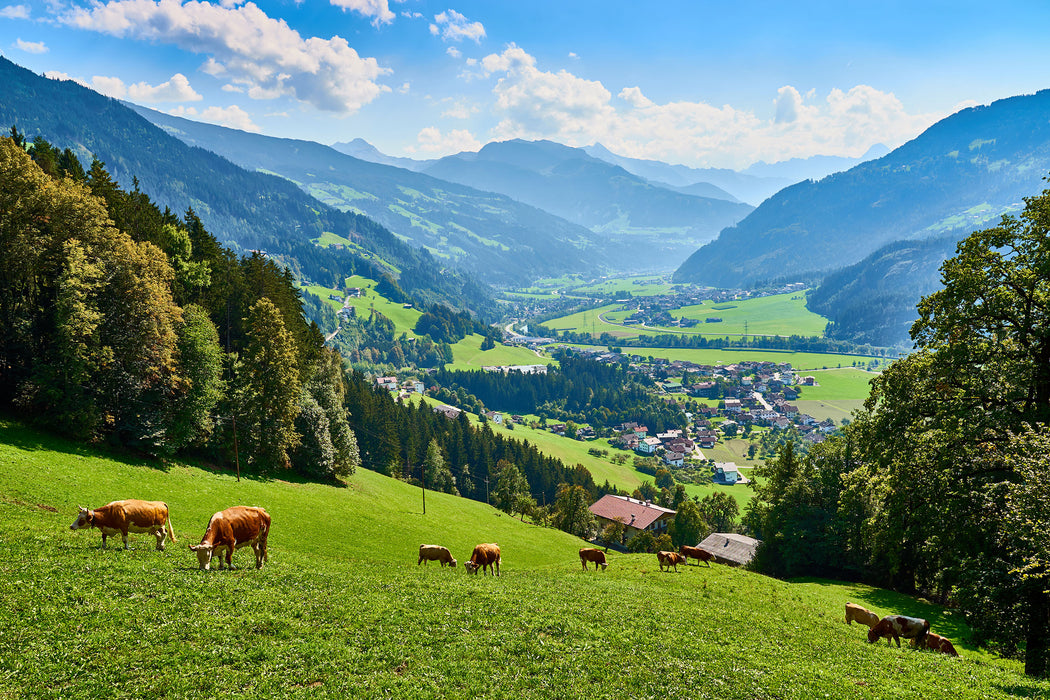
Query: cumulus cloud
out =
(533, 103)
(14, 12)
(377, 9)
(30, 46)
(431, 141)
(109, 86)
(232, 116)
(453, 52)
(247, 47)
(452, 26)
(177, 89)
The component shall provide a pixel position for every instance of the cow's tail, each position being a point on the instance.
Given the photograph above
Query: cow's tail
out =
(171, 530)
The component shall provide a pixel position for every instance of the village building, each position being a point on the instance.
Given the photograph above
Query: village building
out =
(637, 516)
(731, 548)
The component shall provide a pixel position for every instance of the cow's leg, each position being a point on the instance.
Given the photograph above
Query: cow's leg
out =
(104, 540)
(160, 534)
(124, 536)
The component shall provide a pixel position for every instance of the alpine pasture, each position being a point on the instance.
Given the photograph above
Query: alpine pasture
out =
(341, 609)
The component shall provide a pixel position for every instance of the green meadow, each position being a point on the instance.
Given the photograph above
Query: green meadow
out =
(779, 314)
(800, 361)
(342, 609)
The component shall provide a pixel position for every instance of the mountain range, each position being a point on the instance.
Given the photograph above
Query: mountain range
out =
(656, 224)
(244, 210)
(961, 174)
(489, 235)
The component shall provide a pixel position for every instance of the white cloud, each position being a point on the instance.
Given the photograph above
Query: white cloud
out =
(460, 110)
(533, 104)
(405, 87)
(30, 46)
(58, 75)
(411, 15)
(432, 142)
(183, 111)
(452, 26)
(231, 88)
(177, 89)
(453, 52)
(379, 9)
(248, 47)
(232, 116)
(14, 12)
(109, 86)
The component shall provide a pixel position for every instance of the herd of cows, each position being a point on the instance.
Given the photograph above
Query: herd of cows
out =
(249, 526)
(894, 627)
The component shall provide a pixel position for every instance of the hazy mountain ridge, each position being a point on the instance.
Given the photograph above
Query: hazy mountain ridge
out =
(243, 209)
(656, 223)
(492, 236)
(960, 174)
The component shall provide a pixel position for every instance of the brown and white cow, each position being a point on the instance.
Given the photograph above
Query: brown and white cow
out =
(861, 615)
(591, 554)
(127, 516)
(696, 553)
(434, 552)
(669, 559)
(897, 626)
(941, 644)
(233, 528)
(484, 556)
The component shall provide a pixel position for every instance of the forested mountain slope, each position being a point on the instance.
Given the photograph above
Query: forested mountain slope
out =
(959, 175)
(246, 210)
(492, 236)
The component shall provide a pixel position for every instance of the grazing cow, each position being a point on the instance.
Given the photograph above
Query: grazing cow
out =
(861, 615)
(590, 554)
(701, 555)
(669, 559)
(897, 626)
(132, 515)
(484, 556)
(233, 528)
(941, 644)
(435, 552)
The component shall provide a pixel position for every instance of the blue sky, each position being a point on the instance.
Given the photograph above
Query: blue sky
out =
(699, 82)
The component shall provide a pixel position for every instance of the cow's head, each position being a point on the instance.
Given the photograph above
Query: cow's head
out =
(452, 563)
(204, 552)
(874, 635)
(471, 567)
(604, 565)
(83, 519)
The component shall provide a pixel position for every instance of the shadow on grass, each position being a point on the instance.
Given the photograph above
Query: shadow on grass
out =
(34, 440)
(943, 621)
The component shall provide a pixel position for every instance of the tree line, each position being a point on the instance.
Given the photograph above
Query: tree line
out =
(941, 484)
(125, 324)
(577, 389)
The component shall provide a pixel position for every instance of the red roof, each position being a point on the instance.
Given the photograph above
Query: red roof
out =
(632, 512)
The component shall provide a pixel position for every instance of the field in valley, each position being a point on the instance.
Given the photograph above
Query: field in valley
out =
(780, 314)
(341, 609)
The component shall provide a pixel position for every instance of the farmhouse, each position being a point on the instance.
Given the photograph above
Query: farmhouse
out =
(726, 473)
(731, 548)
(637, 516)
(450, 412)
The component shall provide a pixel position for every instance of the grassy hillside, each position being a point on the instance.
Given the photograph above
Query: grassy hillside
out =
(342, 610)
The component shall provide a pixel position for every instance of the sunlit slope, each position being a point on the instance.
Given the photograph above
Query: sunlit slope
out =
(342, 609)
